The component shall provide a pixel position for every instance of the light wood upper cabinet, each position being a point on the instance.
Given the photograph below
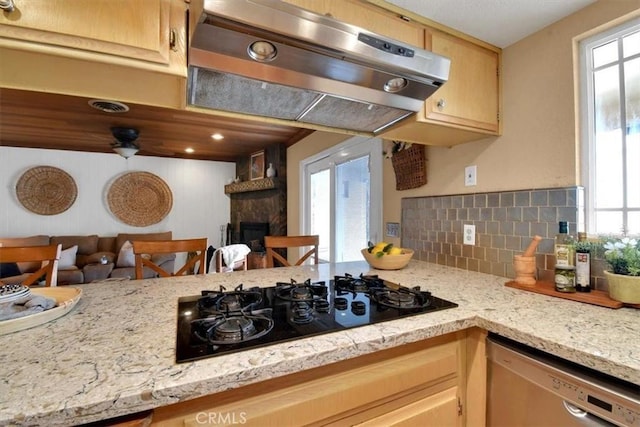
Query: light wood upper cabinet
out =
(368, 17)
(137, 29)
(470, 96)
(125, 50)
(467, 106)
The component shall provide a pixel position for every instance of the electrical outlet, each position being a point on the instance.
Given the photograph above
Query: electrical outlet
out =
(470, 175)
(469, 234)
(393, 229)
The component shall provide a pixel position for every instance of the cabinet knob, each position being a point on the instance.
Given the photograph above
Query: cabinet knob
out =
(7, 5)
(441, 104)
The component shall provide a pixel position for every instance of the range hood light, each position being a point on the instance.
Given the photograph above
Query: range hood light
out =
(395, 85)
(262, 51)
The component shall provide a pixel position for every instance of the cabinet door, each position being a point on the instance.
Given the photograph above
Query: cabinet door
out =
(368, 17)
(138, 29)
(470, 96)
(344, 393)
(439, 410)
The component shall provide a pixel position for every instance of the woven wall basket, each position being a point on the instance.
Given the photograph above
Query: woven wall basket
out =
(410, 167)
(139, 199)
(46, 190)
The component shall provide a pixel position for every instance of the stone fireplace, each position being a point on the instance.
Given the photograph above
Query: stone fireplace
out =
(260, 204)
(252, 234)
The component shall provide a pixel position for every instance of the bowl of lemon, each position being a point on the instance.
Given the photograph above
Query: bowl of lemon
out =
(386, 256)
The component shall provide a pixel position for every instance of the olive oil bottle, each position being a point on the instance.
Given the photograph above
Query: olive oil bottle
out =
(563, 246)
(565, 270)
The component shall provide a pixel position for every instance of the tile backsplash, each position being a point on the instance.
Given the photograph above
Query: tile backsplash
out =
(505, 223)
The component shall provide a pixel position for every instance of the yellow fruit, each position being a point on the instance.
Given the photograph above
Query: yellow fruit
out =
(379, 247)
(395, 251)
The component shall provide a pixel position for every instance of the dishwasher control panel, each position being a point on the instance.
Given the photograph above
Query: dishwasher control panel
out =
(585, 395)
(593, 401)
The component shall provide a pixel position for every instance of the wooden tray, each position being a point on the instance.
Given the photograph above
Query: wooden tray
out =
(66, 298)
(594, 297)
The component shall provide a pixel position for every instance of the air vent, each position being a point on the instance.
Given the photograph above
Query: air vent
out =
(109, 106)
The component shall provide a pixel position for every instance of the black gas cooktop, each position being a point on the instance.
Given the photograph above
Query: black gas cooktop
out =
(228, 321)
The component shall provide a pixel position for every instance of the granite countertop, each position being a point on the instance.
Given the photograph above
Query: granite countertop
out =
(114, 353)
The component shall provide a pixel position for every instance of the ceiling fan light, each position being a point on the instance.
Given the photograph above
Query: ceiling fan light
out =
(126, 152)
(125, 145)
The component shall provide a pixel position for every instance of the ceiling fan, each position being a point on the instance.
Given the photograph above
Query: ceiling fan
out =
(125, 144)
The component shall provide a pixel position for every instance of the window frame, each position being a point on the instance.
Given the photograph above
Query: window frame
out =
(587, 116)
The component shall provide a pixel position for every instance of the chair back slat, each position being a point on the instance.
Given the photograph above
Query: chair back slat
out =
(285, 242)
(49, 253)
(196, 246)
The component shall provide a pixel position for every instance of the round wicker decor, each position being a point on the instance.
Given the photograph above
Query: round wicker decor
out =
(46, 190)
(140, 198)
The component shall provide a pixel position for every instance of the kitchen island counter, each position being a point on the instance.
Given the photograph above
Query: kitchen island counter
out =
(114, 353)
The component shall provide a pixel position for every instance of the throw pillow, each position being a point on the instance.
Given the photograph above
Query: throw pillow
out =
(9, 269)
(126, 258)
(67, 259)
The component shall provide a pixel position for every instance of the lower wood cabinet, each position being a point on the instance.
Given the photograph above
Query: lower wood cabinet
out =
(424, 383)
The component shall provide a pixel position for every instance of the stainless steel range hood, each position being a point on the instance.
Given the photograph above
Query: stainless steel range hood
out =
(272, 59)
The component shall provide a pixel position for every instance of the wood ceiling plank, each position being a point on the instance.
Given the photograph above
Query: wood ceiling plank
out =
(44, 120)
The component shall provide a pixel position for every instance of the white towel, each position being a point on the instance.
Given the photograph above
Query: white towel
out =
(230, 255)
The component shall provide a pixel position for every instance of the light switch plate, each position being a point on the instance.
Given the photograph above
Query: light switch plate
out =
(393, 229)
(469, 234)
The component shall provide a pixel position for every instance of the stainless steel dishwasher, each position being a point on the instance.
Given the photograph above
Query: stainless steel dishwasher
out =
(528, 387)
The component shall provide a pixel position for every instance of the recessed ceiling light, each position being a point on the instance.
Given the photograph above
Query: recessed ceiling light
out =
(217, 136)
(189, 150)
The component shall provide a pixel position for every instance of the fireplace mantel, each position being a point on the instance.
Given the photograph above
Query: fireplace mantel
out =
(255, 185)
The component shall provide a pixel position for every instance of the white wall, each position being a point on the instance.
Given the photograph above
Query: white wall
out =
(199, 203)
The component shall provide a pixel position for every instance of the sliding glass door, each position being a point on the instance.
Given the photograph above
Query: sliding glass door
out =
(341, 198)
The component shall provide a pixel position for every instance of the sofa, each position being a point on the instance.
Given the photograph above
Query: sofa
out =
(88, 258)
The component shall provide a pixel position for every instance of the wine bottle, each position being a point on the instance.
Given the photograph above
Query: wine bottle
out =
(583, 264)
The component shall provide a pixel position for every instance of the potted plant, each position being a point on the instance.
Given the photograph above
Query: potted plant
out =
(623, 258)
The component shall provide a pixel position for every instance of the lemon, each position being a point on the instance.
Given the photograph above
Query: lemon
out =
(395, 251)
(378, 247)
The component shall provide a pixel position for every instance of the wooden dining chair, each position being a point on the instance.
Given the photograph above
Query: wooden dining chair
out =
(272, 243)
(143, 251)
(46, 256)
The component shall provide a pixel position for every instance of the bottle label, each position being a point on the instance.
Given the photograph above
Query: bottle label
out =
(563, 255)
(565, 280)
(583, 270)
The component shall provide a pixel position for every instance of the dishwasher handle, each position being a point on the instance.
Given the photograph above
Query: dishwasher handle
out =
(585, 418)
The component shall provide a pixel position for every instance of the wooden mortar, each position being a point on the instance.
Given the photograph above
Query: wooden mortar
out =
(525, 268)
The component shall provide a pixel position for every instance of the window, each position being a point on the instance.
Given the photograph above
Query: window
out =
(610, 65)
